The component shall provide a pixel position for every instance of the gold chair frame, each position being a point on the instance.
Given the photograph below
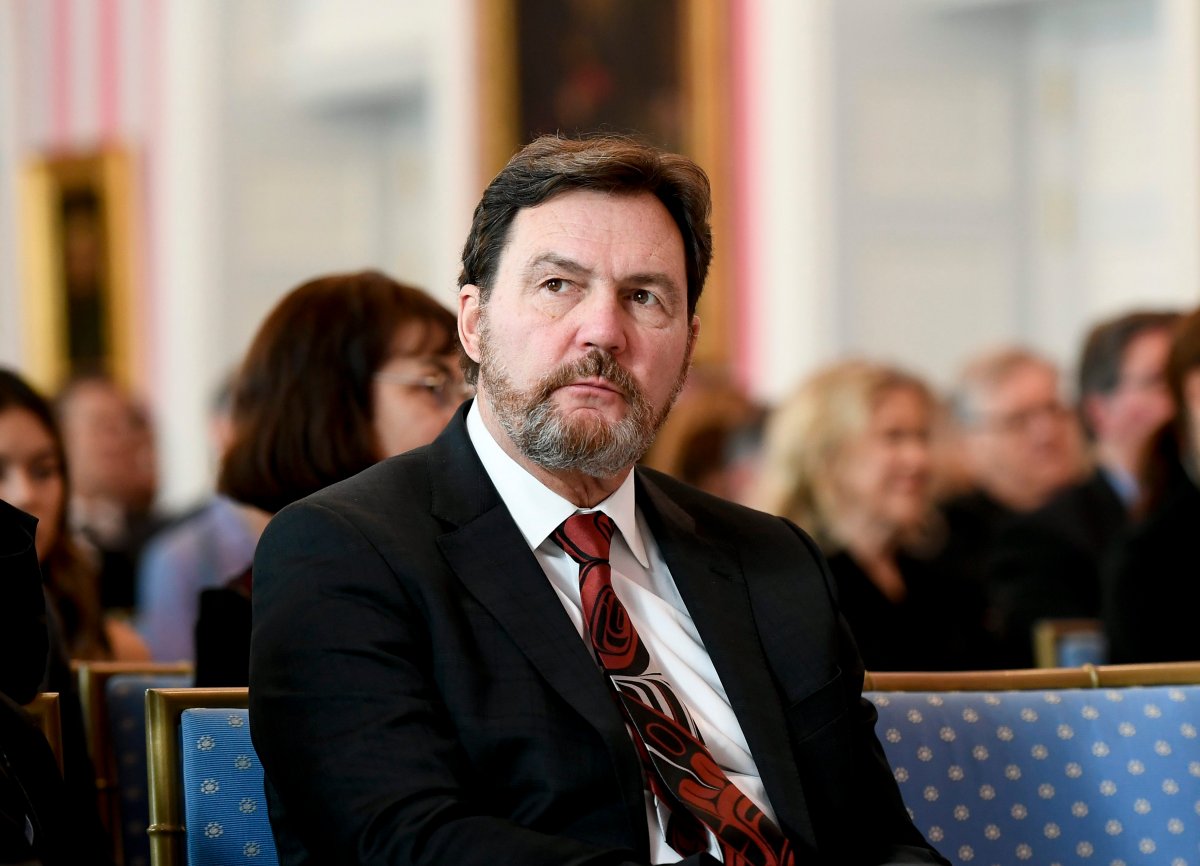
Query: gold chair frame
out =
(1085, 677)
(48, 715)
(168, 842)
(92, 678)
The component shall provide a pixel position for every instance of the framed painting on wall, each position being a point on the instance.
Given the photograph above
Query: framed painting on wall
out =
(78, 241)
(656, 70)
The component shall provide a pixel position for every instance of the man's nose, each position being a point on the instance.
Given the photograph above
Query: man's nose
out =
(602, 322)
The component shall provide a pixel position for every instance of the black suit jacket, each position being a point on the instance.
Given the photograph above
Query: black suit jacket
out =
(418, 694)
(1048, 563)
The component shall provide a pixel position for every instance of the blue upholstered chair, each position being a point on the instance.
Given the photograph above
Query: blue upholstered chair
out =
(113, 697)
(1069, 643)
(125, 701)
(206, 803)
(1072, 775)
(224, 810)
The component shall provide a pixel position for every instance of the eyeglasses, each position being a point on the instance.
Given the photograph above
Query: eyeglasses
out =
(441, 386)
(1023, 420)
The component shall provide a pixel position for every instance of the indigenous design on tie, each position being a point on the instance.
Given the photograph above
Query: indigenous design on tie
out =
(681, 771)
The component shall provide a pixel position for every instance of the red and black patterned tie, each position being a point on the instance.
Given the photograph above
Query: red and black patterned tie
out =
(680, 769)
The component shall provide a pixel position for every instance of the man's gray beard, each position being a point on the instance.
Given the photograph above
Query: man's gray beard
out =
(593, 447)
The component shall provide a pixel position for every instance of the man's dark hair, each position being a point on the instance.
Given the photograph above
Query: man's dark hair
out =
(302, 401)
(550, 166)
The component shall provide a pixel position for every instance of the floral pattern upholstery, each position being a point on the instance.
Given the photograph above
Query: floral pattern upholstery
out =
(1060, 777)
(225, 812)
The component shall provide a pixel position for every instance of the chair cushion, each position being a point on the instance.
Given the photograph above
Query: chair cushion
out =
(1067, 777)
(225, 811)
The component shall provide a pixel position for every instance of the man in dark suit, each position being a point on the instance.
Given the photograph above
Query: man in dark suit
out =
(511, 647)
(1047, 563)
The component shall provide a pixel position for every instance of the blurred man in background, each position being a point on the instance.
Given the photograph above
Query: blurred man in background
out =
(1047, 563)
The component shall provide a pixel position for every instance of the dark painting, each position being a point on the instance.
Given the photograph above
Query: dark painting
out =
(611, 65)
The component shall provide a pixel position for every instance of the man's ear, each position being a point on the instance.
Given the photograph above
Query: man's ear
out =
(469, 311)
(693, 336)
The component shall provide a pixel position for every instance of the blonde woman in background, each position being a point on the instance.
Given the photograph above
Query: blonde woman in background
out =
(849, 458)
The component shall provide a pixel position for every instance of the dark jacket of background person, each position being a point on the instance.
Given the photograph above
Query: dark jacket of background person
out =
(39, 820)
(23, 637)
(405, 601)
(1047, 564)
(304, 419)
(1155, 584)
(937, 626)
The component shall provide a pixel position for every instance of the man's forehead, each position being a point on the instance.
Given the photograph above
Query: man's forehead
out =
(585, 216)
(1028, 379)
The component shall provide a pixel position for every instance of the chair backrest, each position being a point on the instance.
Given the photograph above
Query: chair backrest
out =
(1067, 643)
(45, 711)
(206, 803)
(224, 809)
(123, 760)
(1095, 772)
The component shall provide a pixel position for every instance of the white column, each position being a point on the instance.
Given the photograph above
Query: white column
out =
(453, 138)
(1180, 29)
(185, 205)
(790, 242)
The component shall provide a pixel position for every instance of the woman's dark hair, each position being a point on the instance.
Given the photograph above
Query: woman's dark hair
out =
(70, 577)
(302, 404)
(550, 166)
(1170, 449)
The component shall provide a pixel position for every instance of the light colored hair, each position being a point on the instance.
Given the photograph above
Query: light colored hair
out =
(805, 436)
(986, 372)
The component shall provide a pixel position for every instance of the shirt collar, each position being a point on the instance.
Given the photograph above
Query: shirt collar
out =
(535, 508)
(1125, 484)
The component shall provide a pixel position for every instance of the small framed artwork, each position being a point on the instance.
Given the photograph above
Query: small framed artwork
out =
(655, 69)
(79, 294)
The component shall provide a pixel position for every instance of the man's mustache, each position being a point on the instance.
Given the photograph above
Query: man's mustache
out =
(595, 364)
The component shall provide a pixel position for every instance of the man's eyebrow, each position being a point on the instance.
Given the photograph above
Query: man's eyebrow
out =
(641, 278)
(653, 278)
(558, 261)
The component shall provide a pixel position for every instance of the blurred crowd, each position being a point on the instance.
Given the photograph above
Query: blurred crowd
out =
(954, 523)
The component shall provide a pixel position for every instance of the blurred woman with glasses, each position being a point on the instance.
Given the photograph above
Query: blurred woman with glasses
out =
(345, 371)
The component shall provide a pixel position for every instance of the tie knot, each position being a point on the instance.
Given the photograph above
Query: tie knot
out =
(586, 537)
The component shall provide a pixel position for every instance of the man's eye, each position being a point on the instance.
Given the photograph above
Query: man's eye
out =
(554, 284)
(644, 297)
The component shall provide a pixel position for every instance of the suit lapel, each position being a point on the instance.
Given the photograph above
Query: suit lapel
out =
(710, 581)
(490, 557)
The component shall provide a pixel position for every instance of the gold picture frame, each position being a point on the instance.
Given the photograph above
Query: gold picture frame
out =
(701, 47)
(80, 307)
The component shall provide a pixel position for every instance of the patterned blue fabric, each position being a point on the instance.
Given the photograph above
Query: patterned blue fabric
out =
(1081, 648)
(1069, 777)
(225, 813)
(125, 699)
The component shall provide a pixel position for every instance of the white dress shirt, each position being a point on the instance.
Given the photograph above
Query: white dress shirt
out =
(645, 587)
